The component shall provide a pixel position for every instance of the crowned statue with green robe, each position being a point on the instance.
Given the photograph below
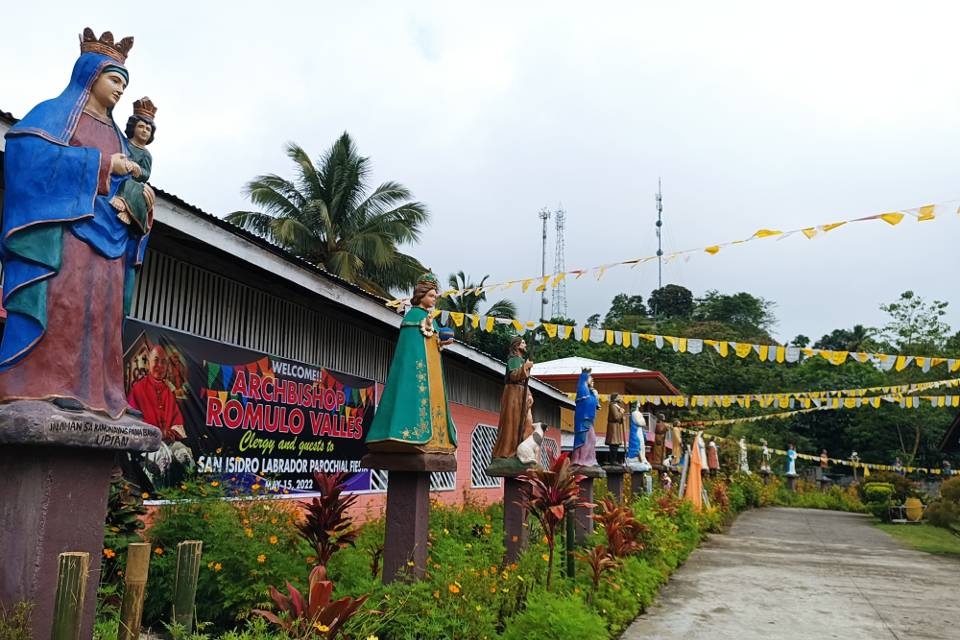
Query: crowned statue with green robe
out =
(413, 416)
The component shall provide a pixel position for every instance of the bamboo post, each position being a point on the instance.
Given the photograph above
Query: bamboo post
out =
(185, 585)
(135, 584)
(74, 567)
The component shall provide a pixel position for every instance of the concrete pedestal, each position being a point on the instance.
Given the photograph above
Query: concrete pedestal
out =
(615, 480)
(515, 529)
(56, 468)
(408, 509)
(791, 483)
(637, 485)
(583, 520)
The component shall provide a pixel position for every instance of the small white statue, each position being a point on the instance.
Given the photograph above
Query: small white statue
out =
(765, 458)
(744, 463)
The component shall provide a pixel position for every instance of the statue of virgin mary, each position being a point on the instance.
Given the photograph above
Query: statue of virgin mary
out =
(69, 260)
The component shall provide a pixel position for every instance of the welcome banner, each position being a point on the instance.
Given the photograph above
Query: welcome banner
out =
(243, 418)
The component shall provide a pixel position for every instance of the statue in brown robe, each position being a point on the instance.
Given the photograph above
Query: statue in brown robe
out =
(516, 404)
(659, 442)
(616, 428)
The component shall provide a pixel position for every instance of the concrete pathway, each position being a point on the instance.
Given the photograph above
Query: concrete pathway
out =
(803, 573)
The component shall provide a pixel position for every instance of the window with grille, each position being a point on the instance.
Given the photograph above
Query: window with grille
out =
(443, 481)
(481, 453)
(548, 451)
(439, 481)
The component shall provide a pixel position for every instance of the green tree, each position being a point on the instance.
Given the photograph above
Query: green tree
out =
(739, 309)
(671, 301)
(859, 338)
(915, 323)
(624, 308)
(328, 216)
(469, 302)
(800, 341)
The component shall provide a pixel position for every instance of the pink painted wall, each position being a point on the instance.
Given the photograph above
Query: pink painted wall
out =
(373, 505)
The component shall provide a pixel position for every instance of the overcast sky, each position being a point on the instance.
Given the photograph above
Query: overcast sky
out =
(755, 116)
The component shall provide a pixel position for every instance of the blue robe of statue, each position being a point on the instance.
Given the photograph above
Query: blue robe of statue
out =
(586, 411)
(52, 188)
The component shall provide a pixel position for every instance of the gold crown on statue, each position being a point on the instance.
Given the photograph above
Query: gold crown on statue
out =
(430, 279)
(145, 108)
(105, 45)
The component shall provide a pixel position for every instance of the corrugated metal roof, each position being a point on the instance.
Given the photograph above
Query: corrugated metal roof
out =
(573, 366)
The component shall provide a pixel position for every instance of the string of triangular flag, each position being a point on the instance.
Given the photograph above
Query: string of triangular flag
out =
(782, 399)
(805, 402)
(774, 353)
(903, 402)
(815, 458)
(552, 280)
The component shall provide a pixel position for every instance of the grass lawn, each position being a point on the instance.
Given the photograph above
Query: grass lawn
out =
(924, 537)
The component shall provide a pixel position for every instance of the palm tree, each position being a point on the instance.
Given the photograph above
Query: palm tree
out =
(327, 216)
(469, 303)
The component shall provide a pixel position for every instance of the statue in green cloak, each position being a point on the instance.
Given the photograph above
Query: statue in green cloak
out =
(413, 415)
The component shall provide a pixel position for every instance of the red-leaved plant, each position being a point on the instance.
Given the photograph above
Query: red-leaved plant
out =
(327, 527)
(623, 530)
(549, 494)
(315, 617)
(600, 561)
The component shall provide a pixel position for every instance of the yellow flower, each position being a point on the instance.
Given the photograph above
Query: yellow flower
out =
(158, 551)
(274, 539)
(219, 450)
(436, 594)
(493, 589)
(372, 638)
(144, 495)
(273, 521)
(576, 589)
(469, 546)
(545, 557)
(261, 558)
(446, 531)
(217, 566)
(479, 608)
(454, 587)
(254, 487)
(214, 484)
(210, 565)
(183, 486)
(322, 628)
(249, 532)
(110, 553)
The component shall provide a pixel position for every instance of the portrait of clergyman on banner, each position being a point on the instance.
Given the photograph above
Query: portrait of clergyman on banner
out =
(156, 382)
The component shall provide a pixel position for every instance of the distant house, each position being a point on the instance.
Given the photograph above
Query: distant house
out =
(609, 378)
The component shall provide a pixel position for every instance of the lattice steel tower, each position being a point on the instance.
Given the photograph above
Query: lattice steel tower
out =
(558, 308)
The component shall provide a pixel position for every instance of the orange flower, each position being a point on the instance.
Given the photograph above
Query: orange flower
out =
(254, 487)
(261, 558)
(436, 594)
(454, 587)
(158, 551)
(217, 566)
(310, 559)
(214, 484)
(493, 588)
(144, 495)
(274, 539)
(110, 553)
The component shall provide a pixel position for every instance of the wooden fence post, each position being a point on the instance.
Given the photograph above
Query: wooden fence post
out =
(74, 567)
(135, 584)
(185, 586)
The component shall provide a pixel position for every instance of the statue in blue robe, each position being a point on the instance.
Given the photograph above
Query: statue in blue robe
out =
(69, 260)
(584, 436)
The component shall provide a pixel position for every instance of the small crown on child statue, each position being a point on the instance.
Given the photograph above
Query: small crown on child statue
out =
(429, 279)
(144, 108)
(586, 370)
(105, 45)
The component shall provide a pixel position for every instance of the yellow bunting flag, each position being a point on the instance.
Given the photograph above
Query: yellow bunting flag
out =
(892, 218)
